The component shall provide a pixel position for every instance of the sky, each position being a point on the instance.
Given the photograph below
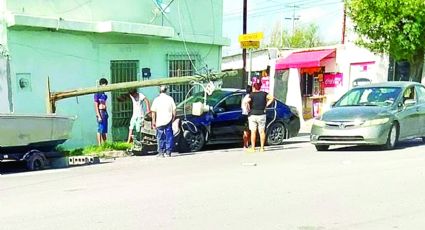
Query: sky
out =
(264, 15)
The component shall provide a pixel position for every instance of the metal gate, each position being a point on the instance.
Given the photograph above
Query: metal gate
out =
(180, 65)
(122, 71)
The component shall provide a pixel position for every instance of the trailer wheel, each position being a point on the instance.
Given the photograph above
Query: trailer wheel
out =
(36, 162)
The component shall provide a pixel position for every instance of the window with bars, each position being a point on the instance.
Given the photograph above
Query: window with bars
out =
(180, 65)
(122, 71)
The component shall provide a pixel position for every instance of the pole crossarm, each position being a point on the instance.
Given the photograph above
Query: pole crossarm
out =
(56, 96)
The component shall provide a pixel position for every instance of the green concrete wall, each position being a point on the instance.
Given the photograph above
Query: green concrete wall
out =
(77, 59)
(74, 60)
(187, 17)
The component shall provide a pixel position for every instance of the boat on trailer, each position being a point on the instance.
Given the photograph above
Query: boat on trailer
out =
(29, 137)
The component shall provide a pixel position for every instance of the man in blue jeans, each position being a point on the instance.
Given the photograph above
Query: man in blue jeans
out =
(101, 113)
(163, 113)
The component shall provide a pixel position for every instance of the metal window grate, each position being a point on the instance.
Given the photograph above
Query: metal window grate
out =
(122, 71)
(180, 65)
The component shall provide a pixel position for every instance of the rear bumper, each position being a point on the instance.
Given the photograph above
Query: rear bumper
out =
(293, 126)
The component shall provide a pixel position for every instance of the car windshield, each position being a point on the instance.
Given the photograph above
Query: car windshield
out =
(370, 96)
(212, 99)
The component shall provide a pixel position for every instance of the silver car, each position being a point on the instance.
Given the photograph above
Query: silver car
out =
(374, 114)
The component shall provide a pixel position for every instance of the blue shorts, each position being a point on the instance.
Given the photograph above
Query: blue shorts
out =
(102, 126)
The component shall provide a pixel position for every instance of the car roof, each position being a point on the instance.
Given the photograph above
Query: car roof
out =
(228, 91)
(402, 84)
(232, 90)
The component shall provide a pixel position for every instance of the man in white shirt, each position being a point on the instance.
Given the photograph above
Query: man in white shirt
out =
(136, 121)
(163, 113)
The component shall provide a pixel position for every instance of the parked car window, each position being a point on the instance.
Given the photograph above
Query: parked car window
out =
(351, 98)
(212, 99)
(421, 94)
(231, 103)
(372, 96)
(409, 94)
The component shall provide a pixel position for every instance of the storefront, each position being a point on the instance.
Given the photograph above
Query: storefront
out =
(316, 76)
(310, 79)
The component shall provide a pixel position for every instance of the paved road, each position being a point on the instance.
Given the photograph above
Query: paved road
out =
(287, 187)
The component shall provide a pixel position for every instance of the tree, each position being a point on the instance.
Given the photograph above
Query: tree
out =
(394, 27)
(303, 37)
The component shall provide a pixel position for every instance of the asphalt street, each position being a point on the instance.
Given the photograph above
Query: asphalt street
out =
(287, 187)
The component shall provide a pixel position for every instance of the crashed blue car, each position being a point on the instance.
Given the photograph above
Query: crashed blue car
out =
(224, 123)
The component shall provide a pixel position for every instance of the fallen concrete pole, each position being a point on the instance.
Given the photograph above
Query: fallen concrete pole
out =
(55, 96)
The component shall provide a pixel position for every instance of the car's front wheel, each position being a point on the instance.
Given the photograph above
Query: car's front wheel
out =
(276, 134)
(322, 147)
(392, 138)
(195, 140)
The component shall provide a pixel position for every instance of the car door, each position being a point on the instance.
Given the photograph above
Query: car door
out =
(420, 89)
(228, 122)
(408, 115)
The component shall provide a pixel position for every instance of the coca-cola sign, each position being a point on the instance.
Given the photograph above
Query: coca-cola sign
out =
(332, 80)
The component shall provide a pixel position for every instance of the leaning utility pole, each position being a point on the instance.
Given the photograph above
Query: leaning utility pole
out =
(53, 97)
(244, 30)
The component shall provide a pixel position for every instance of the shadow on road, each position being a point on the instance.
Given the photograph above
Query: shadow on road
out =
(14, 167)
(400, 145)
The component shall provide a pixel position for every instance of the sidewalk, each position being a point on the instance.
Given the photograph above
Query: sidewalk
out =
(306, 127)
(303, 135)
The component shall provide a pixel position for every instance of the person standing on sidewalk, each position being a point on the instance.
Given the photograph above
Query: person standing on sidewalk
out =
(245, 111)
(163, 113)
(259, 101)
(101, 113)
(136, 120)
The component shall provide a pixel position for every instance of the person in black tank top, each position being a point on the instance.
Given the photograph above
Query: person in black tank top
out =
(259, 101)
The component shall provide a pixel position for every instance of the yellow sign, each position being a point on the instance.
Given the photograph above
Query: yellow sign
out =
(251, 37)
(250, 44)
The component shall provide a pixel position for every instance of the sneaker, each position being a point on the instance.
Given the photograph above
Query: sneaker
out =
(168, 154)
(160, 155)
(261, 150)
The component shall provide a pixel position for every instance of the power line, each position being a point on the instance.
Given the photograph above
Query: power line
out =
(276, 8)
(266, 8)
(270, 11)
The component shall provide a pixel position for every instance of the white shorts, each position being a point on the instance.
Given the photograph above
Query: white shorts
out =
(257, 122)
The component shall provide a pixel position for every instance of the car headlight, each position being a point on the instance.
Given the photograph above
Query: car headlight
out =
(379, 121)
(319, 123)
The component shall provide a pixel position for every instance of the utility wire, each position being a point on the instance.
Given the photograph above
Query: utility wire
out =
(266, 11)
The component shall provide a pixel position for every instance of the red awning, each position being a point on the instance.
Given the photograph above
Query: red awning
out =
(305, 59)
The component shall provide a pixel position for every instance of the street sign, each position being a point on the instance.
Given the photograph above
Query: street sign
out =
(251, 37)
(250, 44)
(250, 41)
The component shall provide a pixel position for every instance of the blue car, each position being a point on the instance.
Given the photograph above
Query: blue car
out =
(224, 123)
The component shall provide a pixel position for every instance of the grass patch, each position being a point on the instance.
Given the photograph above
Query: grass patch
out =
(96, 150)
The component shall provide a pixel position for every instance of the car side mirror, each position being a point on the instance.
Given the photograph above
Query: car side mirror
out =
(409, 102)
